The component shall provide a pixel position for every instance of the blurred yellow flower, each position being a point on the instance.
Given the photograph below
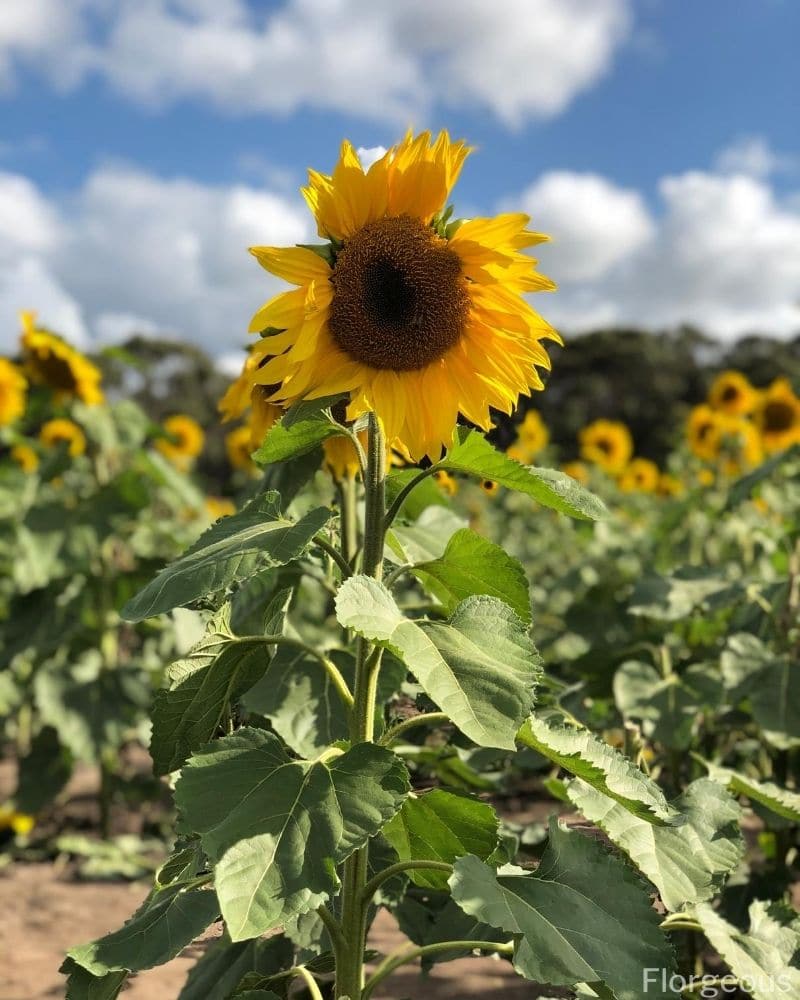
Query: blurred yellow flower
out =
(184, 442)
(447, 484)
(607, 443)
(13, 386)
(732, 393)
(640, 476)
(20, 823)
(741, 447)
(705, 477)
(62, 431)
(239, 448)
(244, 394)
(218, 507)
(341, 459)
(704, 431)
(415, 318)
(577, 471)
(50, 361)
(490, 487)
(532, 438)
(778, 416)
(25, 457)
(669, 485)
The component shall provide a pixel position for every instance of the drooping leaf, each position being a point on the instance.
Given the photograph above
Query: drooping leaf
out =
(82, 985)
(441, 826)
(601, 766)
(202, 686)
(295, 438)
(778, 800)
(277, 827)
(688, 862)
(480, 667)
(471, 565)
(231, 550)
(582, 916)
(472, 455)
(767, 956)
(222, 966)
(167, 921)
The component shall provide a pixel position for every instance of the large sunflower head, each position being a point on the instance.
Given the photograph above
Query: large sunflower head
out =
(640, 476)
(61, 431)
(183, 442)
(413, 316)
(607, 443)
(704, 431)
(778, 416)
(13, 386)
(50, 361)
(732, 393)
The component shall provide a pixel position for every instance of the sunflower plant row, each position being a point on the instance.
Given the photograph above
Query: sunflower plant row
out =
(358, 631)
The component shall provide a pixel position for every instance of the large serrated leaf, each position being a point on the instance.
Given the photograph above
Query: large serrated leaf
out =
(480, 667)
(290, 438)
(441, 826)
(82, 985)
(471, 565)
(767, 956)
(231, 550)
(688, 862)
(582, 916)
(601, 766)
(778, 800)
(277, 827)
(222, 966)
(472, 455)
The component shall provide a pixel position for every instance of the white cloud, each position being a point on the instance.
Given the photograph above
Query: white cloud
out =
(724, 254)
(594, 224)
(369, 155)
(754, 156)
(520, 59)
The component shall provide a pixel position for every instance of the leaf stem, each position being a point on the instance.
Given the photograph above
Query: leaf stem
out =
(301, 972)
(425, 719)
(330, 668)
(403, 956)
(401, 497)
(335, 554)
(411, 864)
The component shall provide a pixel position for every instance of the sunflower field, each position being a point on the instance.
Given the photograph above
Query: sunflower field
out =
(378, 653)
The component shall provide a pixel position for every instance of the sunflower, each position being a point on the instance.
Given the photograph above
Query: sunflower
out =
(25, 457)
(607, 443)
(732, 393)
(669, 485)
(52, 362)
(413, 316)
(13, 386)
(640, 476)
(19, 823)
(62, 431)
(239, 448)
(490, 487)
(532, 438)
(447, 484)
(577, 471)
(183, 442)
(741, 446)
(778, 416)
(217, 507)
(340, 458)
(704, 432)
(245, 394)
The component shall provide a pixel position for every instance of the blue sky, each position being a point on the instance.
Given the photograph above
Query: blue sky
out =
(658, 140)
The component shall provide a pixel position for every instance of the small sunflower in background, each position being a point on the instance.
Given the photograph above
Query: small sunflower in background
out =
(704, 432)
(732, 393)
(217, 507)
(183, 442)
(239, 448)
(669, 485)
(416, 316)
(245, 396)
(13, 389)
(607, 443)
(490, 487)
(447, 484)
(532, 438)
(25, 457)
(50, 361)
(62, 431)
(18, 823)
(777, 416)
(578, 471)
(340, 458)
(741, 447)
(640, 476)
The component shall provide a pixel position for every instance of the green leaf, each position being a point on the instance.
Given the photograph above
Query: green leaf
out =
(230, 551)
(601, 766)
(43, 772)
(673, 598)
(167, 921)
(290, 440)
(441, 826)
(434, 917)
(202, 686)
(767, 956)
(688, 862)
(480, 667)
(471, 565)
(472, 455)
(744, 487)
(308, 408)
(221, 967)
(82, 985)
(582, 916)
(771, 681)
(277, 827)
(427, 538)
(781, 801)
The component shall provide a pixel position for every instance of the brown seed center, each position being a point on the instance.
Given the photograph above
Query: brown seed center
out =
(400, 298)
(778, 416)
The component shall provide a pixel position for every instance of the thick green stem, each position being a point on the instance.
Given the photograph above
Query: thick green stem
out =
(350, 957)
(424, 719)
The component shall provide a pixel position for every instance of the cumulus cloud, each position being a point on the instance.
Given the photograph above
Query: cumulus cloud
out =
(723, 252)
(753, 155)
(520, 59)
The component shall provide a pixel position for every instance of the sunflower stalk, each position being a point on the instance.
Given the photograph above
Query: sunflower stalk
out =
(350, 956)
